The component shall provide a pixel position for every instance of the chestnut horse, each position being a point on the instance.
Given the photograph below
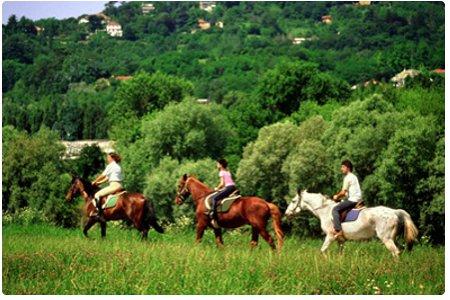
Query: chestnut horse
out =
(132, 206)
(245, 210)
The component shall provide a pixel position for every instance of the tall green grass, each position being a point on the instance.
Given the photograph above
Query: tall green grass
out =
(41, 259)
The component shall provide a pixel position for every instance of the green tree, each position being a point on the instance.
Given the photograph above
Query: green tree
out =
(185, 130)
(260, 170)
(284, 88)
(147, 92)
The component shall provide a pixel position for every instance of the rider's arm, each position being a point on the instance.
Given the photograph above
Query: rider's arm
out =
(221, 184)
(100, 179)
(340, 195)
(344, 191)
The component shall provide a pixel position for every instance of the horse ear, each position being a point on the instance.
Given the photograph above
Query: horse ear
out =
(300, 190)
(185, 176)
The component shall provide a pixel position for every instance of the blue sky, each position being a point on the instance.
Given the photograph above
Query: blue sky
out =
(46, 9)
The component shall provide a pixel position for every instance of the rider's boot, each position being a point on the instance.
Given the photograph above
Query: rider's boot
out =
(99, 208)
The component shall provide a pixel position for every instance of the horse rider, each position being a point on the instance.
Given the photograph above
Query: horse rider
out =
(225, 187)
(111, 174)
(350, 190)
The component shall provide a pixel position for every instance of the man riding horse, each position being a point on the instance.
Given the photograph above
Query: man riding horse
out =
(351, 190)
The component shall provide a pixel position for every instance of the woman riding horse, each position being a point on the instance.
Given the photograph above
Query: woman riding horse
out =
(225, 187)
(112, 174)
(132, 206)
(245, 210)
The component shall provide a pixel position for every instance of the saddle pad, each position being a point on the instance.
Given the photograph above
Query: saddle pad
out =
(352, 215)
(224, 204)
(111, 200)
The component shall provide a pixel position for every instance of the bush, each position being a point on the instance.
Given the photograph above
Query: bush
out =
(24, 216)
(34, 178)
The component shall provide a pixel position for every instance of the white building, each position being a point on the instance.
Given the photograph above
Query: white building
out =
(203, 100)
(114, 29)
(207, 5)
(400, 78)
(147, 8)
(83, 20)
(299, 40)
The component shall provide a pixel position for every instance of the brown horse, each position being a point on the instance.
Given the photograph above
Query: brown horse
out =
(245, 210)
(132, 206)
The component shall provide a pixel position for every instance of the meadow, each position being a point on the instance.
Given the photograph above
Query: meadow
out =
(42, 259)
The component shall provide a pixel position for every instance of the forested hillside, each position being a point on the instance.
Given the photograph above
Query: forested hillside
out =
(283, 113)
(54, 76)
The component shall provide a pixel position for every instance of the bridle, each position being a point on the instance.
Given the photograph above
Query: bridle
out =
(184, 192)
(313, 209)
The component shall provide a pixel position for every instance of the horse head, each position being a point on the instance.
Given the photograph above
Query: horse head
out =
(74, 188)
(296, 205)
(183, 190)
(77, 186)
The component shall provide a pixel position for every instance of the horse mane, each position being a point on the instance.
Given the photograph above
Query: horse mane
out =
(203, 185)
(88, 187)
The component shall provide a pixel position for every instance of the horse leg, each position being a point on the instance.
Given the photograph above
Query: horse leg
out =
(218, 234)
(144, 234)
(103, 229)
(328, 239)
(263, 232)
(89, 223)
(341, 246)
(201, 226)
(255, 236)
(389, 243)
(386, 233)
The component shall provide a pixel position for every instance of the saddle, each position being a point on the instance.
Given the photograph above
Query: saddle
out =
(111, 199)
(353, 213)
(224, 204)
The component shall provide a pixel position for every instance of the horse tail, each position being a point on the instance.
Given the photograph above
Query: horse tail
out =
(149, 218)
(276, 220)
(410, 230)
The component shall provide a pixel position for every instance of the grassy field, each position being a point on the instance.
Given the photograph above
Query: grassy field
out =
(42, 259)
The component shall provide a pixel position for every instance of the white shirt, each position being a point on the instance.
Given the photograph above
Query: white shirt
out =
(351, 185)
(113, 171)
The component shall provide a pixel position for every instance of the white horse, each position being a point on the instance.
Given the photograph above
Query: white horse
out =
(380, 221)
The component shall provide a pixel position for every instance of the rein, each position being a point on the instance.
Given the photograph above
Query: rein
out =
(185, 190)
(313, 209)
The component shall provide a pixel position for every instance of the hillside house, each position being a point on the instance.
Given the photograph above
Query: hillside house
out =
(364, 3)
(39, 30)
(219, 24)
(399, 79)
(203, 100)
(299, 40)
(203, 24)
(114, 29)
(122, 77)
(327, 19)
(83, 20)
(147, 8)
(207, 5)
